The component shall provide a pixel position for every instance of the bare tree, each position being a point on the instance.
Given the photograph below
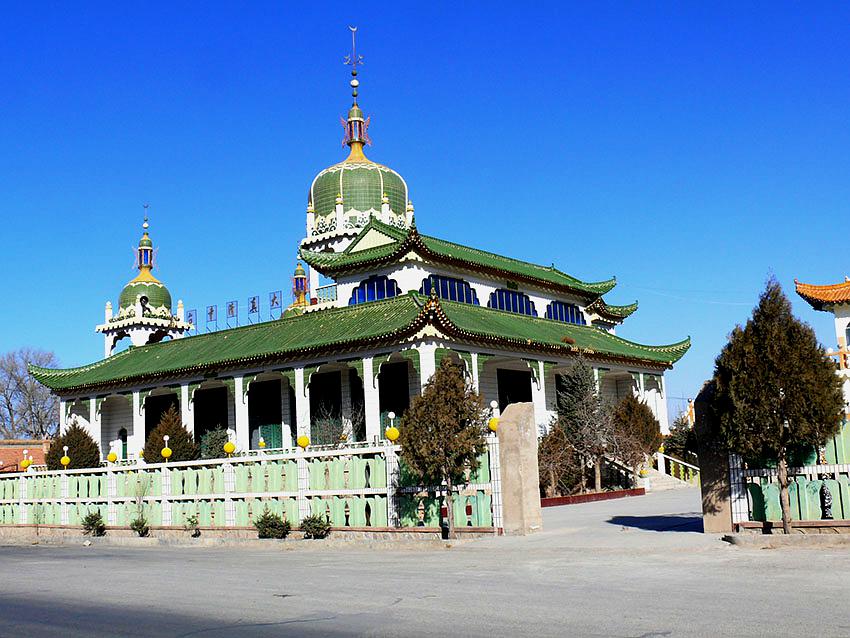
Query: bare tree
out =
(27, 408)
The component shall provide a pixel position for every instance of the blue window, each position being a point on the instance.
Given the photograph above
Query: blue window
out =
(449, 288)
(373, 289)
(566, 312)
(512, 301)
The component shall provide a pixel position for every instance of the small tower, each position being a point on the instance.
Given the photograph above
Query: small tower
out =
(144, 306)
(300, 289)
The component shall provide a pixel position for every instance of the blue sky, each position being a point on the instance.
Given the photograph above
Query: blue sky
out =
(691, 151)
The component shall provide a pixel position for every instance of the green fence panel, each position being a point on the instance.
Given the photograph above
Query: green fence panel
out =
(794, 488)
(380, 516)
(258, 478)
(357, 473)
(316, 471)
(482, 472)
(242, 518)
(291, 482)
(485, 509)
(241, 474)
(336, 474)
(810, 503)
(274, 470)
(757, 500)
(379, 472)
(219, 519)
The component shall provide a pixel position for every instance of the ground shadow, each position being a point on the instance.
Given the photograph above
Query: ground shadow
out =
(662, 523)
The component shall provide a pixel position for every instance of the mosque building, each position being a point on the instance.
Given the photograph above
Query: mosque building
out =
(355, 351)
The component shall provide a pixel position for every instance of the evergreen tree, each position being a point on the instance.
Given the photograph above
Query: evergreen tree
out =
(82, 449)
(585, 419)
(681, 442)
(212, 443)
(775, 389)
(637, 431)
(183, 447)
(442, 433)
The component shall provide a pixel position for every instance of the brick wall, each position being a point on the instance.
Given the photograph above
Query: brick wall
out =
(12, 453)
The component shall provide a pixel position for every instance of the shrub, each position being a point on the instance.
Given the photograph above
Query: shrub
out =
(82, 449)
(140, 526)
(212, 443)
(315, 526)
(191, 526)
(183, 448)
(271, 525)
(93, 524)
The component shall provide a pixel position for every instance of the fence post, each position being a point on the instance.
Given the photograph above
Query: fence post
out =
(229, 486)
(63, 508)
(662, 462)
(391, 458)
(111, 493)
(495, 481)
(166, 492)
(303, 486)
(23, 517)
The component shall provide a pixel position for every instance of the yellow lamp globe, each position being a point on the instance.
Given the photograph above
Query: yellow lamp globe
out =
(112, 457)
(262, 442)
(166, 453)
(493, 423)
(229, 447)
(392, 433)
(65, 461)
(25, 463)
(141, 454)
(303, 441)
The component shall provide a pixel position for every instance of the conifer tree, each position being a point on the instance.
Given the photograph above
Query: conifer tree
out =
(586, 421)
(82, 449)
(442, 433)
(183, 447)
(775, 389)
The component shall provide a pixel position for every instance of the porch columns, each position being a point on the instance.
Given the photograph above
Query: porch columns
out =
(240, 412)
(302, 403)
(94, 425)
(538, 393)
(187, 414)
(371, 401)
(136, 438)
(427, 362)
(62, 416)
(474, 371)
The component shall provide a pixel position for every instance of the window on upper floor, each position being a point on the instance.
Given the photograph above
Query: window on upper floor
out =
(375, 288)
(566, 312)
(449, 288)
(511, 301)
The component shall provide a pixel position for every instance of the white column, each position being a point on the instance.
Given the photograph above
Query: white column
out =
(240, 399)
(427, 362)
(62, 416)
(285, 416)
(538, 396)
(136, 438)
(371, 401)
(345, 403)
(94, 425)
(474, 371)
(302, 403)
(314, 281)
(187, 414)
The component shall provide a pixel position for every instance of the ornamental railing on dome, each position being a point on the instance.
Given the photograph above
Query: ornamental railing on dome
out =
(359, 487)
(325, 294)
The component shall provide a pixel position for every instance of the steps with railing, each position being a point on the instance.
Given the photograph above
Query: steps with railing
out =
(677, 469)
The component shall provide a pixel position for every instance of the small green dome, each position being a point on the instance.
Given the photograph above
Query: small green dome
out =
(157, 294)
(362, 185)
(299, 270)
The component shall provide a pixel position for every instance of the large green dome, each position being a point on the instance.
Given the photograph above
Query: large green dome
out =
(156, 293)
(362, 184)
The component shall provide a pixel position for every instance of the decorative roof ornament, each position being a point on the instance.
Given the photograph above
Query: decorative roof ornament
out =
(356, 126)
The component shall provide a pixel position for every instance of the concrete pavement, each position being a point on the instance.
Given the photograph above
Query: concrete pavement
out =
(631, 567)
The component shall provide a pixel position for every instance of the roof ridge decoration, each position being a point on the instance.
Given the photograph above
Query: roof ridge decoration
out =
(612, 312)
(345, 330)
(822, 297)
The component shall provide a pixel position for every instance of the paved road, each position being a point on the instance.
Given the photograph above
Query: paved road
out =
(634, 567)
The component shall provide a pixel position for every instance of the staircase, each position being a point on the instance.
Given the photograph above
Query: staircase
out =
(659, 481)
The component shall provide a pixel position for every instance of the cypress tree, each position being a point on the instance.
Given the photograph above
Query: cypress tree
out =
(82, 449)
(635, 423)
(442, 433)
(183, 447)
(775, 389)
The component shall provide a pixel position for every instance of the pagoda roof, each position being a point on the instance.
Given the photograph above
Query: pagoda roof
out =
(819, 297)
(608, 312)
(379, 244)
(349, 329)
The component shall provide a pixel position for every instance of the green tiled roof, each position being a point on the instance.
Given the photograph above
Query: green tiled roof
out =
(347, 329)
(612, 313)
(532, 331)
(441, 250)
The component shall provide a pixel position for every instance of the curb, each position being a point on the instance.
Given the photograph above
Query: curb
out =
(776, 541)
